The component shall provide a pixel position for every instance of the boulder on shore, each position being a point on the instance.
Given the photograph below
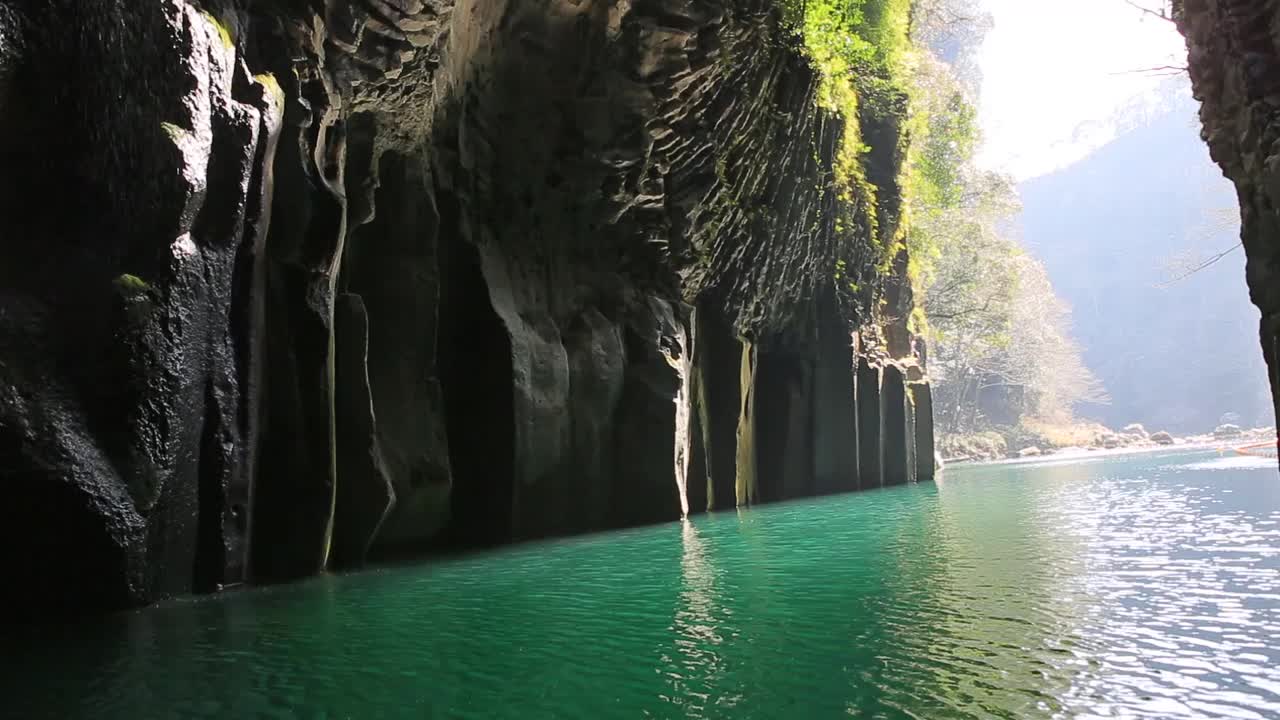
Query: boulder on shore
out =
(1226, 430)
(1162, 438)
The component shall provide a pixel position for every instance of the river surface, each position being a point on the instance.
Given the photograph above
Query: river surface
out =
(1136, 586)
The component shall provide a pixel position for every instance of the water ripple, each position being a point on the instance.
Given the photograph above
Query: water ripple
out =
(1130, 587)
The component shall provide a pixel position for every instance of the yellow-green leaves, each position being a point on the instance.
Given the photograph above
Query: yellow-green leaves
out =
(859, 49)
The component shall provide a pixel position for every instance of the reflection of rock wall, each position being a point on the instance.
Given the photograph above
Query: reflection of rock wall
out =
(337, 284)
(1235, 73)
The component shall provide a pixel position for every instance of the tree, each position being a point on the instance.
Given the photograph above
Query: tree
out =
(992, 317)
(996, 325)
(1160, 10)
(1042, 355)
(952, 31)
(1164, 12)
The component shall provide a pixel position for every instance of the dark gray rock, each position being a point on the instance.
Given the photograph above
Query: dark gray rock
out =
(897, 435)
(123, 332)
(870, 426)
(835, 424)
(394, 264)
(365, 495)
(1235, 74)
(717, 360)
(926, 453)
(352, 279)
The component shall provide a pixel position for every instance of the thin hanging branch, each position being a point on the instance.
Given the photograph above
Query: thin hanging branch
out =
(1200, 265)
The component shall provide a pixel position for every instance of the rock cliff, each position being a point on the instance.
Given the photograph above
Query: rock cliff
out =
(1234, 60)
(289, 286)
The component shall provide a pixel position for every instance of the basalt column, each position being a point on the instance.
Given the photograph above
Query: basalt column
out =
(645, 441)
(922, 400)
(895, 432)
(394, 264)
(870, 446)
(476, 377)
(784, 426)
(746, 487)
(365, 496)
(717, 363)
(295, 487)
(835, 428)
(698, 462)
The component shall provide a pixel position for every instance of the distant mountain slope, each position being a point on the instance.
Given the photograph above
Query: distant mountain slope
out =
(1106, 228)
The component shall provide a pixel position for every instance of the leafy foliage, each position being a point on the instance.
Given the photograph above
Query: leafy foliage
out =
(1000, 336)
(852, 35)
(988, 308)
(860, 49)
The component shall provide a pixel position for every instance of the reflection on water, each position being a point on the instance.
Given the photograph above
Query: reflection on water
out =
(1234, 462)
(1142, 586)
(694, 671)
(1185, 578)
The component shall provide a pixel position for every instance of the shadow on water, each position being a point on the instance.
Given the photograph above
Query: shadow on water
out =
(1142, 587)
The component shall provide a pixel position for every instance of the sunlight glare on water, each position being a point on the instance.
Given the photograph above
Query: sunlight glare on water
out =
(1145, 585)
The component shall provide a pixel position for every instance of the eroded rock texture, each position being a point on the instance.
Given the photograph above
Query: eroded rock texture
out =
(323, 282)
(1234, 60)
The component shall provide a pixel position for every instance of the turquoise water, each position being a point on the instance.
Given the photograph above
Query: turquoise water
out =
(1133, 586)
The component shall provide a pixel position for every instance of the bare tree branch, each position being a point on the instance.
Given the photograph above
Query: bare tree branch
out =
(1200, 266)
(964, 311)
(1157, 70)
(1161, 13)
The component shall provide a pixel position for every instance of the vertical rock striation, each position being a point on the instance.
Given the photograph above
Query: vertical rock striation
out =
(347, 279)
(1233, 56)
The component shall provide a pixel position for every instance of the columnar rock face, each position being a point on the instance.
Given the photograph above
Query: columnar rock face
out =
(870, 426)
(1233, 49)
(897, 437)
(293, 286)
(922, 412)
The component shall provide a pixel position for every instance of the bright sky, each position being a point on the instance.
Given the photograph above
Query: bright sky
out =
(1055, 72)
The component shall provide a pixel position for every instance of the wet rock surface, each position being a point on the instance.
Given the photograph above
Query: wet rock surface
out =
(343, 280)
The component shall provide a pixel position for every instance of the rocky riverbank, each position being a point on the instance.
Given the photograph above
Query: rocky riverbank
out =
(1003, 443)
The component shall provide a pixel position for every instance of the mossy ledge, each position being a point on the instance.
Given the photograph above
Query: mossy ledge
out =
(464, 274)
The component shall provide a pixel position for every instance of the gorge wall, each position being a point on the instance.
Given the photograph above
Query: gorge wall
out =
(1233, 54)
(290, 286)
